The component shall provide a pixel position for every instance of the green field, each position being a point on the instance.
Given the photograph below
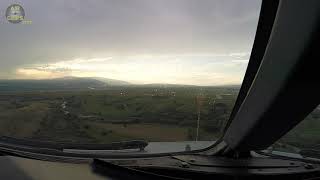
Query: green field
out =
(131, 113)
(116, 114)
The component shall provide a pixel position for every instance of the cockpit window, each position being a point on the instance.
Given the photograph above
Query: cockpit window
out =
(110, 71)
(304, 139)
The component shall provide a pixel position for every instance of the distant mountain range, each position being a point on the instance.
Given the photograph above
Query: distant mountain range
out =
(65, 83)
(111, 82)
(76, 83)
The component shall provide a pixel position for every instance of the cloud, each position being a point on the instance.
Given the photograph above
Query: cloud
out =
(169, 40)
(205, 69)
(241, 55)
(33, 73)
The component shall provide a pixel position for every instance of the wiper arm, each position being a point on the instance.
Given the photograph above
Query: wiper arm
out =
(120, 172)
(123, 145)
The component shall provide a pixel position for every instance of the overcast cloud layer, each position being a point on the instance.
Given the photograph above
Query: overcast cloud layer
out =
(202, 42)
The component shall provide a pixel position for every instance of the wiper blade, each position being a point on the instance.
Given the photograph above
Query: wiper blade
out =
(119, 172)
(123, 145)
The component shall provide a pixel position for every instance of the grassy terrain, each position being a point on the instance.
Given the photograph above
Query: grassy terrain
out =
(116, 114)
(65, 110)
(149, 132)
(22, 121)
(306, 134)
(131, 113)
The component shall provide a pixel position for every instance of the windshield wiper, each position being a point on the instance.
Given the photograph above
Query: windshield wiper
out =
(122, 145)
(60, 146)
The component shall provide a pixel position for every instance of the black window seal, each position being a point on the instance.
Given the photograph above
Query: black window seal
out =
(266, 20)
(285, 89)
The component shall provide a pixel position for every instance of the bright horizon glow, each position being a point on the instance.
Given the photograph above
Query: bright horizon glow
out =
(211, 69)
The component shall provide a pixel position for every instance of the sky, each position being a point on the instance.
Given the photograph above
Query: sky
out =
(199, 42)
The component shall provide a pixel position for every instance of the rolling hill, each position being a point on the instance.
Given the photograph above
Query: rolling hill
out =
(65, 83)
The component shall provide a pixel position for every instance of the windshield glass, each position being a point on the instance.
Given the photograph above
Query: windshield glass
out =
(108, 71)
(304, 139)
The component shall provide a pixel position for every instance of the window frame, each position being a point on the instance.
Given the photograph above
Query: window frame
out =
(288, 69)
(271, 14)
